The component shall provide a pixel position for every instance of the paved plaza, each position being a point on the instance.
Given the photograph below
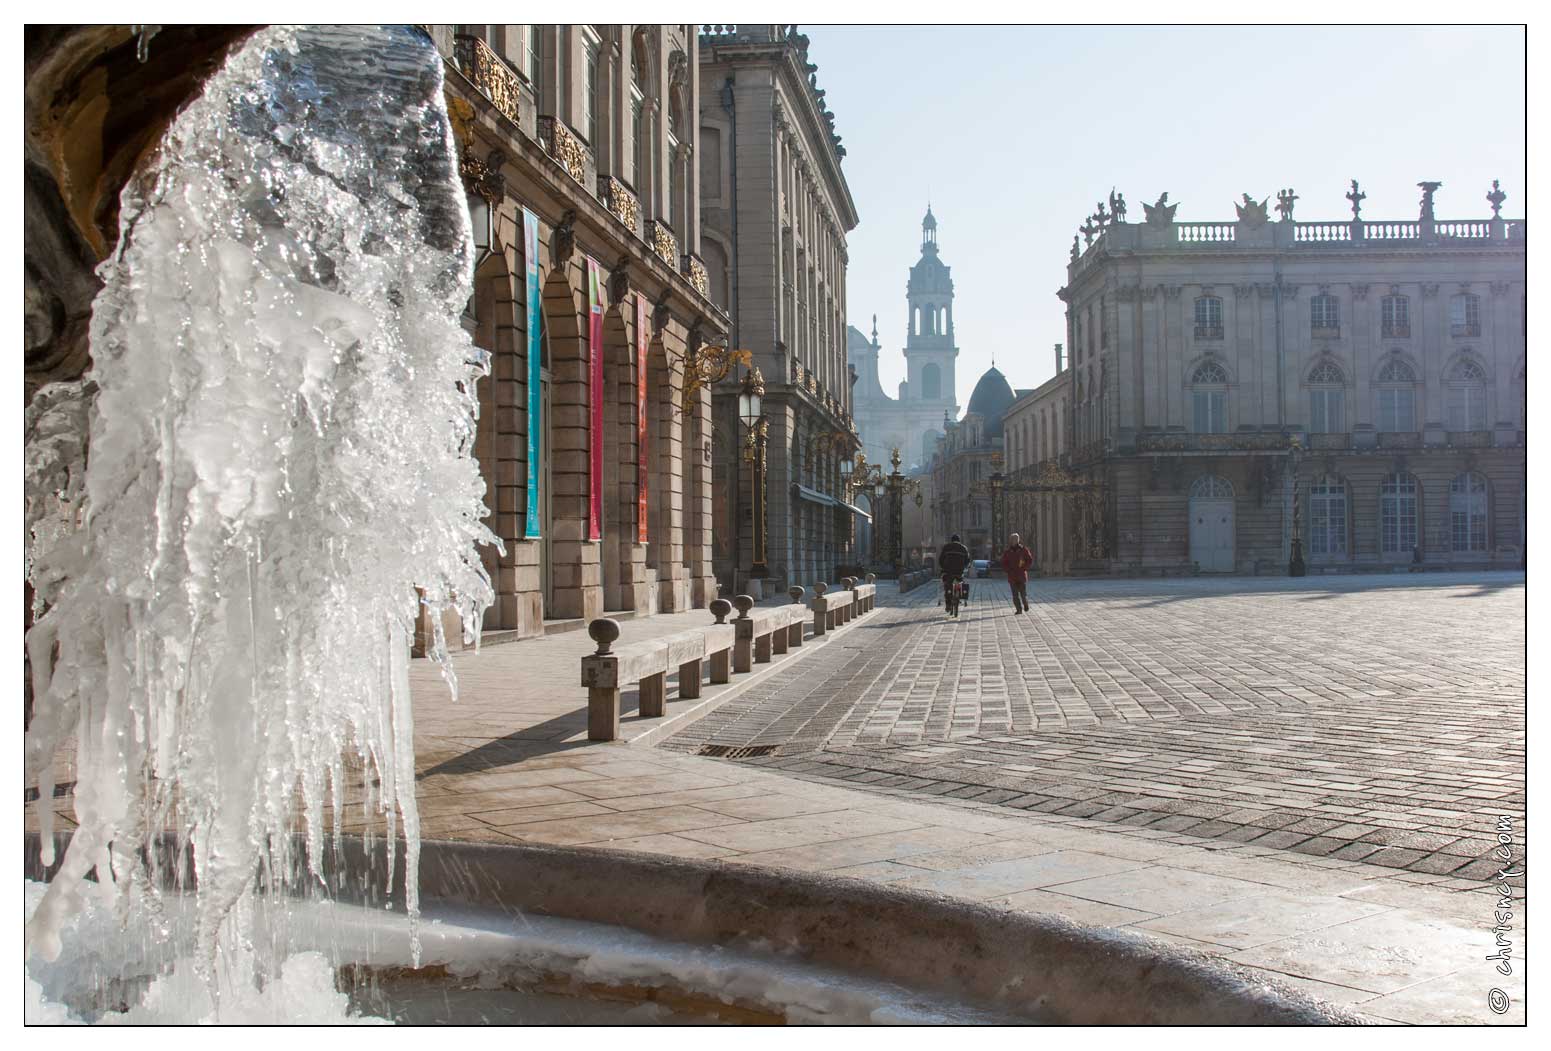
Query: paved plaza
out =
(1375, 719)
(1299, 777)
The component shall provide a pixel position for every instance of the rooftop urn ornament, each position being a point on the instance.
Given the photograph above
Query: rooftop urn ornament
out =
(1356, 196)
(1496, 199)
(1253, 214)
(1284, 204)
(1428, 189)
(1075, 250)
(1117, 206)
(1161, 213)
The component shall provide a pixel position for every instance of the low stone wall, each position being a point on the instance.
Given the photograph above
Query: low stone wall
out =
(913, 579)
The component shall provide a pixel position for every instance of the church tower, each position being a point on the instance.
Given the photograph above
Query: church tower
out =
(930, 354)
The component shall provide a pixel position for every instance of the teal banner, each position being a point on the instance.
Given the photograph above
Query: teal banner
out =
(530, 258)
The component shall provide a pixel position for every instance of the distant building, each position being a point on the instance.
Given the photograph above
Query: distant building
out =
(1392, 351)
(1034, 435)
(966, 457)
(775, 211)
(912, 422)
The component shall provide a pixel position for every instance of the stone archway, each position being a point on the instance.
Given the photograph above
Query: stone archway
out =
(572, 558)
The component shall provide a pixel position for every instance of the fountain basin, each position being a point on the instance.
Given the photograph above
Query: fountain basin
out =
(568, 927)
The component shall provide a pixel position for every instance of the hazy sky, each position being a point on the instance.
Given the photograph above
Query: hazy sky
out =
(1018, 132)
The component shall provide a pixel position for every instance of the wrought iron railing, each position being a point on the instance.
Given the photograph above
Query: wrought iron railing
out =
(497, 81)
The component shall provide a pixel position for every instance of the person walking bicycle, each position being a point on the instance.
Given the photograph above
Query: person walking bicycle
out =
(1016, 561)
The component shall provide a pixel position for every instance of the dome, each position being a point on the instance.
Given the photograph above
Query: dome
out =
(993, 396)
(930, 222)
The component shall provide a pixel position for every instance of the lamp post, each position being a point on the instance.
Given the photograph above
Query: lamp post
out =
(751, 413)
(998, 511)
(845, 488)
(1295, 565)
(898, 486)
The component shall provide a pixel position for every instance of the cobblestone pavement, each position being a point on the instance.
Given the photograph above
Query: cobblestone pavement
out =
(1372, 719)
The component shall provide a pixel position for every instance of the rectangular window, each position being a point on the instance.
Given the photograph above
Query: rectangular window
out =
(1208, 318)
(637, 140)
(1326, 313)
(532, 62)
(1327, 520)
(1210, 414)
(1465, 316)
(1325, 412)
(1397, 516)
(588, 121)
(1397, 317)
(1396, 409)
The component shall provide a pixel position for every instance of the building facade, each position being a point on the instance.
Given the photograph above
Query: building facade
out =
(1356, 384)
(594, 434)
(1036, 504)
(912, 422)
(775, 212)
(968, 456)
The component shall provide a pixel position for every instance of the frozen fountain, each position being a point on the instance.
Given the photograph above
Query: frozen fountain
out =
(280, 414)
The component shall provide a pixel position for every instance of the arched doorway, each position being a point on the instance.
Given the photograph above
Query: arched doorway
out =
(490, 325)
(1211, 524)
(572, 586)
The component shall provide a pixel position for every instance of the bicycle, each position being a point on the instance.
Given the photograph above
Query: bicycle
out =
(955, 589)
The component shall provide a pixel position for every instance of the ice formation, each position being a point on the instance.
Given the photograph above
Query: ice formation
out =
(280, 456)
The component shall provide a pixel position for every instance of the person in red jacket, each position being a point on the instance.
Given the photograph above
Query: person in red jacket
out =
(1016, 561)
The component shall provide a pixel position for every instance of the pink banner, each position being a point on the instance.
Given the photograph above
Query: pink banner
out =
(640, 416)
(595, 398)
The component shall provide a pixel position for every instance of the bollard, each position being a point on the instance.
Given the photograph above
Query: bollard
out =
(600, 676)
(820, 620)
(794, 630)
(743, 639)
(720, 607)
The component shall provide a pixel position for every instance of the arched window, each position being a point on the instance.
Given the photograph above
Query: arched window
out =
(1395, 397)
(1211, 487)
(1467, 513)
(1465, 315)
(1327, 394)
(1325, 314)
(1209, 318)
(931, 382)
(1327, 516)
(1209, 399)
(1465, 403)
(1396, 317)
(1397, 514)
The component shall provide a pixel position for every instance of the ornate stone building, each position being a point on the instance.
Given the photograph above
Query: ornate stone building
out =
(775, 212)
(595, 425)
(1358, 384)
(911, 423)
(966, 459)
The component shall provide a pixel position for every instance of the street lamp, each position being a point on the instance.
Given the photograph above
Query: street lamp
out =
(1295, 565)
(751, 397)
(482, 219)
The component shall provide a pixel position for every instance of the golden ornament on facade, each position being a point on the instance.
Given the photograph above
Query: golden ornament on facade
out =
(698, 277)
(707, 367)
(664, 243)
(619, 200)
(495, 80)
(559, 142)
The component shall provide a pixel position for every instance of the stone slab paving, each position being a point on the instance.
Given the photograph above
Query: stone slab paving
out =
(1376, 719)
(509, 763)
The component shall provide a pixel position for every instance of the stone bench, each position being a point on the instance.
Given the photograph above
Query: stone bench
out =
(761, 633)
(829, 608)
(648, 663)
(866, 595)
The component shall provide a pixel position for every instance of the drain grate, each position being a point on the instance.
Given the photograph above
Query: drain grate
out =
(728, 751)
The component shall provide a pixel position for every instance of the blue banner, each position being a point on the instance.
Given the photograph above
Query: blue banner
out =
(530, 254)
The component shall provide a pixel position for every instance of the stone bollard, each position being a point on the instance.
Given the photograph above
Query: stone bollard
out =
(600, 674)
(794, 629)
(743, 638)
(820, 618)
(720, 607)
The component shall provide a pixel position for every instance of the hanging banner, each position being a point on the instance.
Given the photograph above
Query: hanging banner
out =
(530, 258)
(595, 400)
(641, 341)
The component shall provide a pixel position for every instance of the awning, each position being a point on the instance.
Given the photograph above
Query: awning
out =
(802, 492)
(856, 510)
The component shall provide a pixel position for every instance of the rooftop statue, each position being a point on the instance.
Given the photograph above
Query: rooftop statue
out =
(1160, 214)
(1253, 214)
